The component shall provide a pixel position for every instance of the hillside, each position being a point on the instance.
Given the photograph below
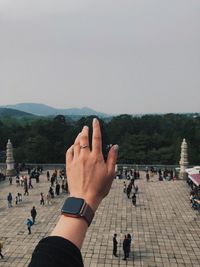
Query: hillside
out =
(45, 110)
(8, 112)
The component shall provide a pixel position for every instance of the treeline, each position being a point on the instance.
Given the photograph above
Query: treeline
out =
(150, 139)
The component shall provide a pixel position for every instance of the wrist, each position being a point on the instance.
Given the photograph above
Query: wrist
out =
(73, 229)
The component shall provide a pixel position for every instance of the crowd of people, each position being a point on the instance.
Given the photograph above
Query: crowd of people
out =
(131, 190)
(163, 174)
(57, 185)
(128, 174)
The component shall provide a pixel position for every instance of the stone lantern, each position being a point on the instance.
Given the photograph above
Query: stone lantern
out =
(184, 160)
(10, 163)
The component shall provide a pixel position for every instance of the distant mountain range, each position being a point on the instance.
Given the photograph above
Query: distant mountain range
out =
(8, 112)
(44, 110)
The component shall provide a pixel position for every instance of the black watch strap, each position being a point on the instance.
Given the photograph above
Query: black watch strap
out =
(88, 214)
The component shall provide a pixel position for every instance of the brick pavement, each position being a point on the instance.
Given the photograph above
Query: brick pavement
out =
(165, 228)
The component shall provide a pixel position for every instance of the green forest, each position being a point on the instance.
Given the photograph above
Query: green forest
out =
(148, 139)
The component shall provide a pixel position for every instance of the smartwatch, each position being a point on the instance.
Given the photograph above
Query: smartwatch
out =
(77, 208)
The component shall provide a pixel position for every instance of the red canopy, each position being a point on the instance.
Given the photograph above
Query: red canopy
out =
(195, 178)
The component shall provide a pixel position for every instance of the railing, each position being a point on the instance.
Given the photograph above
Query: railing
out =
(119, 166)
(45, 166)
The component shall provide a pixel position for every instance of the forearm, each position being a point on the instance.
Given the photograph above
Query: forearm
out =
(72, 229)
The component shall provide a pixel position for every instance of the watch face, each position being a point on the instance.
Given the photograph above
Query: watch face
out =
(73, 205)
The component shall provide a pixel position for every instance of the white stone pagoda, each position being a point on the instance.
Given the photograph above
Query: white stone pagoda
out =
(10, 163)
(184, 160)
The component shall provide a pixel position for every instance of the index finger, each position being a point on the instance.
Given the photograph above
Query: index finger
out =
(96, 137)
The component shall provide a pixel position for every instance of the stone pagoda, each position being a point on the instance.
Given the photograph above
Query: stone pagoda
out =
(10, 163)
(184, 160)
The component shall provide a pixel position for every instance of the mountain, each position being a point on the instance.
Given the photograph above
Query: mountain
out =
(44, 110)
(8, 112)
(34, 108)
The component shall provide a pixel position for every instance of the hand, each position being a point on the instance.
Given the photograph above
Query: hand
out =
(89, 176)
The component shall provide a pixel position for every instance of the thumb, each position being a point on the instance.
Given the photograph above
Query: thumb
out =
(112, 159)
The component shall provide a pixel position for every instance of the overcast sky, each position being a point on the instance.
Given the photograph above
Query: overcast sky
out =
(128, 56)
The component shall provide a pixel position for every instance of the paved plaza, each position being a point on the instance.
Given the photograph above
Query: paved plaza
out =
(165, 230)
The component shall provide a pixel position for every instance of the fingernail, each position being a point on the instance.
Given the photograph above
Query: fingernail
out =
(116, 147)
(85, 127)
(95, 120)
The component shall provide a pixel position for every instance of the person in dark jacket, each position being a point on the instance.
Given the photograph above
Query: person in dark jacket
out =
(125, 247)
(147, 176)
(129, 245)
(128, 190)
(48, 175)
(9, 198)
(51, 192)
(57, 189)
(115, 245)
(33, 214)
(134, 199)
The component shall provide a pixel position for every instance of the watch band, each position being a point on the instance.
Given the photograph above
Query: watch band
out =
(88, 214)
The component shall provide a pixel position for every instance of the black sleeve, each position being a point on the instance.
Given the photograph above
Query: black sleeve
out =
(54, 251)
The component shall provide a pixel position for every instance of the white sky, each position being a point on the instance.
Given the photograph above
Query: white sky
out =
(128, 56)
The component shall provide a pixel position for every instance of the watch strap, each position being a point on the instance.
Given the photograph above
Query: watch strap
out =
(88, 214)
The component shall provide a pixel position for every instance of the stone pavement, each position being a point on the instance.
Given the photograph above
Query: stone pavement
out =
(166, 231)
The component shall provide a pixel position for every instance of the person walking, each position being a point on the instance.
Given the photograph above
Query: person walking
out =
(115, 245)
(33, 214)
(9, 198)
(29, 223)
(51, 192)
(17, 180)
(10, 180)
(147, 176)
(57, 189)
(128, 190)
(1, 246)
(26, 188)
(19, 197)
(52, 180)
(48, 175)
(21, 180)
(63, 186)
(16, 199)
(125, 247)
(135, 189)
(134, 199)
(129, 244)
(124, 187)
(30, 183)
(41, 199)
